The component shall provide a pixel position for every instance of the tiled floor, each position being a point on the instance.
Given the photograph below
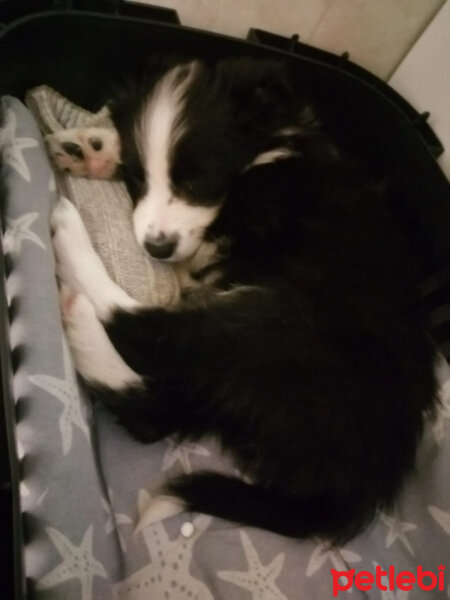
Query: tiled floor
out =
(377, 33)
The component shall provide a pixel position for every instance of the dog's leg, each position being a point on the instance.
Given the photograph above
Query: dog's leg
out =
(117, 376)
(167, 348)
(95, 357)
(86, 152)
(80, 267)
(107, 377)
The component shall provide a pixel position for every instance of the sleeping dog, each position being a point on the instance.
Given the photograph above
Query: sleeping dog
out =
(298, 340)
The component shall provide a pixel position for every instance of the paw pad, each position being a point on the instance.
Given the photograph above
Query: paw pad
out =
(92, 152)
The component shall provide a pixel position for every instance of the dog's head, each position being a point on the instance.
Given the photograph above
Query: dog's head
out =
(193, 134)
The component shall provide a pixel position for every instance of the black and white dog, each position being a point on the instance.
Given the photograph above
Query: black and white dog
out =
(298, 341)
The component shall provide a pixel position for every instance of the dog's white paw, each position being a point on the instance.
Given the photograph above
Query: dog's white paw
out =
(74, 253)
(156, 509)
(94, 356)
(75, 308)
(85, 152)
(82, 328)
(66, 216)
(79, 266)
(67, 299)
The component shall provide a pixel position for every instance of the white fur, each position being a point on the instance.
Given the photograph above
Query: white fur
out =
(153, 216)
(289, 131)
(161, 211)
(159, 508)
(272, 156)
(95, 357)
(80, 267)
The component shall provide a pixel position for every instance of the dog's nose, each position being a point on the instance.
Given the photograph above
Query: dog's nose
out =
(161, 247)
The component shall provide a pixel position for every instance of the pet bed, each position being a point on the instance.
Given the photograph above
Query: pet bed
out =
(84, 481)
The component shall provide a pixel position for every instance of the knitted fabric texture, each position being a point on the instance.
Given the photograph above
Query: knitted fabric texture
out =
(105, 207)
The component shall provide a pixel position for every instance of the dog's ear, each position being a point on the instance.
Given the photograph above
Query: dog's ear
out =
(266, 85)
(258, 90)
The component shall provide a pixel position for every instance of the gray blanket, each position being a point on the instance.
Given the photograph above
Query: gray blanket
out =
(84, 480)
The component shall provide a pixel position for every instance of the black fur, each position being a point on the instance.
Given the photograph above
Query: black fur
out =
(315, 370)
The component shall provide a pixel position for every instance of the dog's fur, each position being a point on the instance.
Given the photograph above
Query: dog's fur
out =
(298, 343)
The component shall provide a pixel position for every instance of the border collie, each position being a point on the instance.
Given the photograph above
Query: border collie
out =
(298, 341)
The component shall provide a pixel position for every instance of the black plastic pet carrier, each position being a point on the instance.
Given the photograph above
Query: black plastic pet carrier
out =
(82, 49)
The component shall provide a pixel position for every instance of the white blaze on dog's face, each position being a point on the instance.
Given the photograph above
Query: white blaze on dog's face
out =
(166, 223)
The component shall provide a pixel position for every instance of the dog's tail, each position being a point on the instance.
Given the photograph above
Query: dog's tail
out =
(293, 515)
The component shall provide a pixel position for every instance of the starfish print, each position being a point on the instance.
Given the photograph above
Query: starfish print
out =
(66, 391)
(41, 498)
(388, 594)
(18, 230)
(168, 574)
(24, 490)
(180, 453)
(114, 519)
(258, 579)
(441, 517)
(78, 563)
(14, 146)
(52, 183)
(442, 413)
(20, 450)
(397, 530)
(339, 557)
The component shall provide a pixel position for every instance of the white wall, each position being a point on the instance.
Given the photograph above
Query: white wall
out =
(423, 78)
(377, 33)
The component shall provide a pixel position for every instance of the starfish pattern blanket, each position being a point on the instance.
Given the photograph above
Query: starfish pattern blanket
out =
(85, 481)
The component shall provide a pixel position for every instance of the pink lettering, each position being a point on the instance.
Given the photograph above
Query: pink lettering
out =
(405, 580)
(392, 578)
(337, 586)
(364, 580)
(420, 577)
(379, 573)
(441, 569)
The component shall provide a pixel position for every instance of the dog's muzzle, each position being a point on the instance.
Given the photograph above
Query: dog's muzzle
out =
(161, 247)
